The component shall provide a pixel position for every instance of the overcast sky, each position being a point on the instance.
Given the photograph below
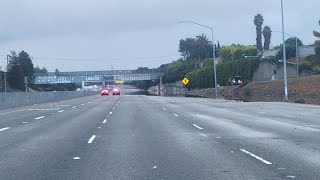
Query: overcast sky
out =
(77, 35)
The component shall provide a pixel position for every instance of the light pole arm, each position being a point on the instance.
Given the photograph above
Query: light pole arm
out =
(196, 24)
(213, 54)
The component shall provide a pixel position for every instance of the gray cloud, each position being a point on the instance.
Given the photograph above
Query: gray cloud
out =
(120, 32)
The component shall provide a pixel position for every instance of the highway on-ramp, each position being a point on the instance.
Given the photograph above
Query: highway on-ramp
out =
(149, 137)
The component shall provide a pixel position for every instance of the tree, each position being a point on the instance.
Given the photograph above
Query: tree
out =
(267, 37)
(15, 72)
(57, 72)
(26, 63)
(43, 70)
(187, 47)
(317, 42)
(290, 48)
(236, 51)
(258, 22)
(204, 47)
(219, 45)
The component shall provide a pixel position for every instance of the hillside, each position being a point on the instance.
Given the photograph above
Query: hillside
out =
(301, 90)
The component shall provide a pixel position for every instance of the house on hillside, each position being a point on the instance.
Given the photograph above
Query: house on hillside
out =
(267, 71)
(303, 51)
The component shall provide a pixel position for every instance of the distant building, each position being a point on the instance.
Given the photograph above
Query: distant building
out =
(304, 51)
(270, 52)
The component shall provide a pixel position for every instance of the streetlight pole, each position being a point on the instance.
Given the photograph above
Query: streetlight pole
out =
(284, 58)
(5, 76)
(214, 54)
(297, 57)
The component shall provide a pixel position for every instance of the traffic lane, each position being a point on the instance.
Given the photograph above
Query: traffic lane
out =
(259, 122)
(32, 151)
(35, 126)
(290, 149)
(140, 141)
(258, 125)
(18, 116)
(299, 114)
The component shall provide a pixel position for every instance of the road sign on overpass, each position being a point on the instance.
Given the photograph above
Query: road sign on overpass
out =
(96, 76)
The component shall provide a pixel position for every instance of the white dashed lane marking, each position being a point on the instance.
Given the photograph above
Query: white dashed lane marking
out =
(292, 177)
(3, 129)
(61, 111)
(176, 115)
(257, 157)
(76, 158)
(197, 126)
(91, 139)
(110, 112)
(41, 117)
(164, 109)
(104, 121)
(73, 107)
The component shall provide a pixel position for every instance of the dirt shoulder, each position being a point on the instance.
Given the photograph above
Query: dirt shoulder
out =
(301, 90)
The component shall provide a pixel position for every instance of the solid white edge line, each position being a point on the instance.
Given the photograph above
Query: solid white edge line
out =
(176, 115)
(13, 111)
(255, 156)
(197, 126)
(3, 129)
(39, 117)
(91, 139)
(104, 121)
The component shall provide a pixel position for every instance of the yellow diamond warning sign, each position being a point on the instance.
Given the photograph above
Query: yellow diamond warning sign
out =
(185, 81)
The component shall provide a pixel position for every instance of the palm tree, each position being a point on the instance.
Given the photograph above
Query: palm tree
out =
(267, 37)
(203, 46)
(258, 21)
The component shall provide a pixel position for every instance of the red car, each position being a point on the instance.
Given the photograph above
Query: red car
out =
(105, 93)
(116, 91)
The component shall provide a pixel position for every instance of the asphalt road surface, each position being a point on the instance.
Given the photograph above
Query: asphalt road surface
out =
(149, 137)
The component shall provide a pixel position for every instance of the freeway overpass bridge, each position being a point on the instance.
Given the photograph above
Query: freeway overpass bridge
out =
(96, 76)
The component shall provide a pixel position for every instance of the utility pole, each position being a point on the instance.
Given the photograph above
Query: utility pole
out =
(297, 56)
(5, 75)
(284, 58)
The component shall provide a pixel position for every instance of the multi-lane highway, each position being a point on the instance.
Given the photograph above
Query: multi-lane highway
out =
(149, 137)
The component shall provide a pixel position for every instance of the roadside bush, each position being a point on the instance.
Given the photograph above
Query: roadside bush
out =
(317, 69)
(306, 65)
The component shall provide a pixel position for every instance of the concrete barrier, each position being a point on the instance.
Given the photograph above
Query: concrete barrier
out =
(18, 99)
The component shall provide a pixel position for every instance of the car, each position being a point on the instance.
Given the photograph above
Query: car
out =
(104, 93)
(116, 91)
(237, 80)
